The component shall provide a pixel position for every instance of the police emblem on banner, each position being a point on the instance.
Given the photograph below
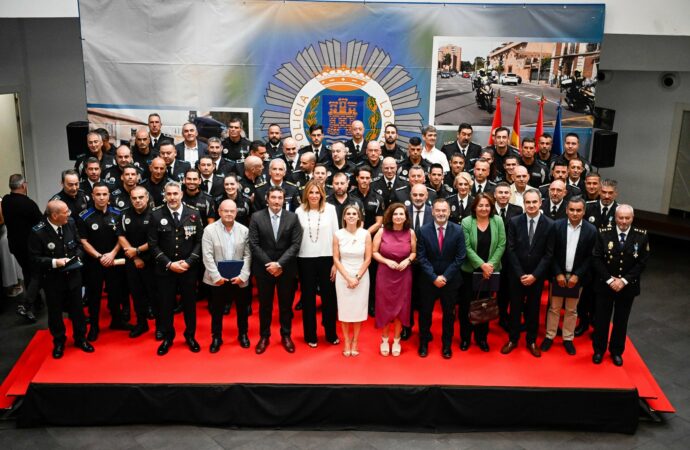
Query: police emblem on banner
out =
(352, 81)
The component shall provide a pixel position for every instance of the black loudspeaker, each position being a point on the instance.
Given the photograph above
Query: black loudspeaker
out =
(76, 138)
(604, 148)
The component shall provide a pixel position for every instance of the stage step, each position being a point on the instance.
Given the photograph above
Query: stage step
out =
(17, 382)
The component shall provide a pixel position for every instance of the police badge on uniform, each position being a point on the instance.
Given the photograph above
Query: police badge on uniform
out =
(404, 172)
(380, 191)
(225, 151)
(247, 190)
(407, 203)
(610, 245)
(453, 208)
(164, 221)
(128, 221)
(121, 203)
(51, 246)
(592, 219)
(636, 247)
(94, 227)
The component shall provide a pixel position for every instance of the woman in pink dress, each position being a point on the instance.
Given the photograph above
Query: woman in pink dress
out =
(395, 247)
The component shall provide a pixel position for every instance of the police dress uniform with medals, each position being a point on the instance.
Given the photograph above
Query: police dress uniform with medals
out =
(141, 282)
(62, 286)
(235, 151)
(621, 255)
(99, 229)
(171, 240)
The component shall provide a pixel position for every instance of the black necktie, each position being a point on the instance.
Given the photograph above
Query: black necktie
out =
(503, 213)
(621, 243)
(154, 141)
(604, 212)
(462, 206)
(390, 185)
(416, 221)
(530, 232)
(59, 232)
(205, 185)
(176, 218)
(554, 210)
(357, 149)
(479, 189)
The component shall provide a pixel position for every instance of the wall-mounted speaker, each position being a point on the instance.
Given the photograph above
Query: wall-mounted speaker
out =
(76, 138)
(604, 148)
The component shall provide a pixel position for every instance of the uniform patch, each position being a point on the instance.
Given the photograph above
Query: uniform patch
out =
(592, 219)
(164, 221)
(94, 227)
(407, 203)
(128, 221)
(51, 246)
(121, 203)
(247, 190)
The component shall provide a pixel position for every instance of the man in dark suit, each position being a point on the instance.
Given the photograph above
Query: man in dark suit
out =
(463, 145)
(620, 256)
(21, 214)
(156, 136)
(275, 237)
(210, 183)
(53, 243)
(175, 168)
(554, 206)
(276, 172)
(273, 145)
(507, 211)
(441, 252)
(573, 244)
(321, 151)
(190, 149)
(174, 238)
(530, 249)
(357, 146)
(481, 181)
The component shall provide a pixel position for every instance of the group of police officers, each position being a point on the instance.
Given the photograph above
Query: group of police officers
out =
(108, 225)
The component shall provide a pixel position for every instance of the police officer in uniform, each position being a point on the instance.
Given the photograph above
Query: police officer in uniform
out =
(231, 191)
(156, 182)
(221, 166)
(142, 154)
(132, 235)
(390, 148)
(620, 257)
(93, 171)
(197, 199)
(94, 142)
(251, 176)
(416, 175)
(156, 136)
(235, 147)
(340, 197)
(390, 181)
(436, 184)
(538, 171)
(98, 232)
(338, 162)
(210, 183)
(277, 173)
(123, 158)
(175, 168)
(414, 157)
(120, 197)
(174, 237)
(53, 242)
(76, 200)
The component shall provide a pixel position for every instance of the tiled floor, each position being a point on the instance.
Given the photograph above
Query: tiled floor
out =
(659, 326)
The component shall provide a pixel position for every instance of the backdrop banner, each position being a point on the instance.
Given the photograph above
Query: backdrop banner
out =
(296, 63)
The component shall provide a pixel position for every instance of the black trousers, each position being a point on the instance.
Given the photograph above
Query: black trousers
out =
(527, 299)
(315, 272)
(416, 297)
(115, 284)
(142, 286)
(587, 304)
(31, 281)
(503, 294)
(169, 284)
(267, 285)
(219, 296)
(618, 305)
(61, 297)
(467, 294)
(449, 299)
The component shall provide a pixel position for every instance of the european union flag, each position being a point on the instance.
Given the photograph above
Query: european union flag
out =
(557, 147)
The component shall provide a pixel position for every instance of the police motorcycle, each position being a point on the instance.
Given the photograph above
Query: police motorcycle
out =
(579, 95)
(484, 93)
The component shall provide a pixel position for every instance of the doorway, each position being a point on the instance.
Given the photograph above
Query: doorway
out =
(11, 152)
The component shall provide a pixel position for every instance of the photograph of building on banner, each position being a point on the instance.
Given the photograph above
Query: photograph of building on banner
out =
(469, 74)
(123, 122)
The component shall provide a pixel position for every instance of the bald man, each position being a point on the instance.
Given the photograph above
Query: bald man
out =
(357, 146)
(55, 250)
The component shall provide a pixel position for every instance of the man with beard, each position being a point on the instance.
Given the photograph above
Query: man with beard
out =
(157, 180)
(339, 162)
(463, 144)
(390, 148)
(436, 184)
(274, 147)
(481, 181)
(290, 156)
(322, 152)
(195, 198)
(457, 164)
(501, 147)
(340, 197)
(559, 171)
(544, 154)
(414, 157)
(76, 200)
(235, 147)
(221, 166)
(120, 197)
(356, 147)
(93, 175)
(142, 154)
(211, 183)
(132, 235)
(538, 171)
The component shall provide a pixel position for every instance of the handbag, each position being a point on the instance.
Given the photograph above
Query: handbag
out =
(483, 309)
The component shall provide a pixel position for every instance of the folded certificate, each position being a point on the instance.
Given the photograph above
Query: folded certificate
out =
(479, 283)
(557, 291)
(230, 268)
(72, 264)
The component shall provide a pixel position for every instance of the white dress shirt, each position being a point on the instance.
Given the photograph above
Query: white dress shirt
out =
(436, 156)
(572, 238)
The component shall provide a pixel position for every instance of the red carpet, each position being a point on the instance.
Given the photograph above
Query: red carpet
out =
(121, 360)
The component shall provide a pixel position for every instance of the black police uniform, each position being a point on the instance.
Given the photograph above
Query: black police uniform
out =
(224, 167)
(402, 195)
(171, 241)
(340, 206)
(498, 159)
(382, 187)
(458, 211)
(405, 166)
(235, 151)
(376, 170)
(244, 207)
(248, 187)
(113, 175)
(562, 159)
(570, 191)
(141, 282)
(274, 151)
(76, 204)
(155, 143)
(177, 170)
(62, 287)
(356, 152)
(443, 191)
(538, 172)
(331, 169)
(142, 162)
(87, 187)
(99, 228)
(627, 261)
(156, 190)
(301, 178)
(80, 163)
(213, 186)
(202, 202)
(398, 154)
(323, 153)
(120, 199)
(291, 201)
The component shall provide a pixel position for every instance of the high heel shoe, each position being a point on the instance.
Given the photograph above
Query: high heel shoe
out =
(385, 348)
(354, 351)
(395, 349)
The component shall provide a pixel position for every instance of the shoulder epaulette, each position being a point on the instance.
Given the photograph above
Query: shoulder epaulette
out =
(86, 213)
(191, 207)
(448, 143)
(289, 183)
(592, 201)
(401, 188)
(114, 210)
(55, 197)
(546, 185)
(156, 208)
(260, 184)
(640, 230)
(116, 192)
(39, 226)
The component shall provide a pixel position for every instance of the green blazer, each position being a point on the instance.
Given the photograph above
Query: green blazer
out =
(498, 243)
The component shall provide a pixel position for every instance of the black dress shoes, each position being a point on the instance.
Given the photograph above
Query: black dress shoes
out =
(508, 347)
(406, 333)
(84, 346)
(244, 341)
(464, 345)
(534, 350)
(483, 346)
(597, 358)
(423, 350)
(165, 347)
(192, 344)
(617, 360)
(58, 351)
(261, 346)
(92, 336)
(447, 353)
(546, 344)
(288, 345)
(159, 335)
(569, 347)
(581, 329)
(215, 345)
(138, 330)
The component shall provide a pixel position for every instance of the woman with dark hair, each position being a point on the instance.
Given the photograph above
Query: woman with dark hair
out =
(395, 247)
(315, 262)
(485, 239)
(351, 256)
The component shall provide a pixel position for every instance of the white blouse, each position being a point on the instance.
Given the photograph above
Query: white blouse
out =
(318, 229)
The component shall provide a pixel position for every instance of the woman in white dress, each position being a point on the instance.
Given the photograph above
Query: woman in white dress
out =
(351, 256)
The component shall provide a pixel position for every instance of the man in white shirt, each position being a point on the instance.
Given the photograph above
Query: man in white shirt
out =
(519, 187)
(430, 152)
(191, 149)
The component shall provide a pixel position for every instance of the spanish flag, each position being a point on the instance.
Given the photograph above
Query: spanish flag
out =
(515, 136)
(539, 130)
(497, 118)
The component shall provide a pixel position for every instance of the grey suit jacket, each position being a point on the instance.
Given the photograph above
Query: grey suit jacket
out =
(212, 251)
